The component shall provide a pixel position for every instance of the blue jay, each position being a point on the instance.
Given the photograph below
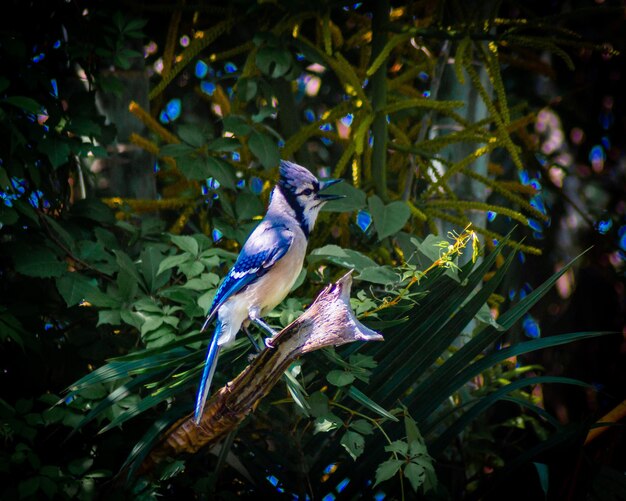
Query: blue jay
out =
(268, 265)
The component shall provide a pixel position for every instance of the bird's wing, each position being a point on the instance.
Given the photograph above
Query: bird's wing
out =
(265, 246)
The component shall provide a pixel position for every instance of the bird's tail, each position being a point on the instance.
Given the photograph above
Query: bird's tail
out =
(209, 369)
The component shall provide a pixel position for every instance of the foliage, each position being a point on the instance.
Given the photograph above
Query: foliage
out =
(122, 283)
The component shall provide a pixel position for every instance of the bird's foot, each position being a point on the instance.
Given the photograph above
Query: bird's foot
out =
(269, 342)
(254, 317)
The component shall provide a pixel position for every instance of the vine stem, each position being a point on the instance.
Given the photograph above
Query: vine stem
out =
(67, 251)
(460, 243)
(380, 428)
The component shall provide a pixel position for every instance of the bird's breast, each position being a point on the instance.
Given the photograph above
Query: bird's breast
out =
(271, 288)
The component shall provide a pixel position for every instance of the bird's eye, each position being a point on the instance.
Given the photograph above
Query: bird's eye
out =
(307, 192)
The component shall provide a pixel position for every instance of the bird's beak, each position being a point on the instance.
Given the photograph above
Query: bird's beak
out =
(327, 197)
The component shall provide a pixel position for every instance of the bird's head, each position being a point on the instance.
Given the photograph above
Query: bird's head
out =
(303, 192)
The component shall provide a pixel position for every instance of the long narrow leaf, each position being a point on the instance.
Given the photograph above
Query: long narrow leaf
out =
(447, 330)
(484, 403)
(112, 398)
(441, 384)
(147, 442)
(535, 408)
(365, 401)
(141, 406)
(446, 380)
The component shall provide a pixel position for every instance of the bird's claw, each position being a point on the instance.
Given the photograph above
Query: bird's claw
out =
(269, 342)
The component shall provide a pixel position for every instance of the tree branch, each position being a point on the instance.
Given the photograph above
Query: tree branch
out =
(329, 321)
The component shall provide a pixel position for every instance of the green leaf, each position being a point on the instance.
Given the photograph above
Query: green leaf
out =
(484, 316)
(416, 474)
(364, 400)
(362, 426)
(354, 198)
(318, 404)
(131, 318)
(50, 471)
(160, 338)
(172, 261)
(417, 449)
(191, 268)
(126, 285)
(224, 144)
(176, 150)
(247, 206)
(11, 328)
(399, 447)
(147, 441)
(24, 103)
(484, 403)
(347, 258)
(53, 415)
(28, 487)
(297, 392)
(412, 432)
(222, 171)
(247, 89)
(265, 149)
(57, 150)
(94, 209)
(191, 134)
(354, 443)
(264, 112)
(39, 262)
(151, 323)
(151, 258)
(126, 263)
(111, 317)
(48, 487)
(388, 219)
(172, 469)
(80, 466)
(362, 361)
(340, 378)
(431, 247)
(274, 62)
(186, 243)
(327, 422)
(201, 168)
(194, 167)
(544, 479)
(83, 126)
(8, 216)
(76, 288)
(237, 124)
(383, 275)
(60, 232)
(94, 252)
(387, 470)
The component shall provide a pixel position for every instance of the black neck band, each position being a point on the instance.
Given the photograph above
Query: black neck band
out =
(299, 211)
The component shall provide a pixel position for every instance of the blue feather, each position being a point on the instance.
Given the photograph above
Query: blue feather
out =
(209, 369)
(267, 244)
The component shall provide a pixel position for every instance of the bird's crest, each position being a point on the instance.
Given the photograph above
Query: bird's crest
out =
(294, 176)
